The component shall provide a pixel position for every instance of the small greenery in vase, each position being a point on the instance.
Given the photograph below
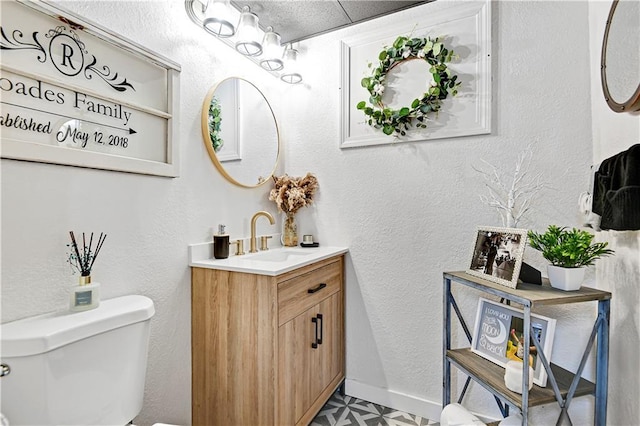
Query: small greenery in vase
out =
(568, 248)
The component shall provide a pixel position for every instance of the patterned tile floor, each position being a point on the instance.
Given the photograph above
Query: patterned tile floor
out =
(347, 410)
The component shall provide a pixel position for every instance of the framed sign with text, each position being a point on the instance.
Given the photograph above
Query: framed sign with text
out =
(498, 336)
(74, 93)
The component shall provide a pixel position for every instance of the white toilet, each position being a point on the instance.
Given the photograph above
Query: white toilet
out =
(84, 368)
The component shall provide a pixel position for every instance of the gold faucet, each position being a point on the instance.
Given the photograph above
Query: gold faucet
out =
(255, 217)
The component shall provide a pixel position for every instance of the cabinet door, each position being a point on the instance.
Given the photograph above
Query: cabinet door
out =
(311, 354)
(294, 365)
(328, 360)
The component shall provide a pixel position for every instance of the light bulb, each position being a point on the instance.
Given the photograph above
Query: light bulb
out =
(272, 51)
(248, 34)
(291, 74)
(217, 20)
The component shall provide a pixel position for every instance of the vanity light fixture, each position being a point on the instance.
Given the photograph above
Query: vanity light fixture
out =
(272, 51)
(248, 34)
(291, 74)
(215, 17)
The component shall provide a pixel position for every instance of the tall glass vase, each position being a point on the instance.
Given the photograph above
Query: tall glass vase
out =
(290, 231)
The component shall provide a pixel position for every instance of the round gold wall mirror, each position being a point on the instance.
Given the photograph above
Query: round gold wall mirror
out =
(240, 132)
(620, 60)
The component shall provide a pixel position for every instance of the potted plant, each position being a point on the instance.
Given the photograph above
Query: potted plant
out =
(570, 252)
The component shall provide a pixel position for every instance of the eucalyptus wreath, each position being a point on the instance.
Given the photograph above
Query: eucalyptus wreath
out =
(215, 121)
(444, 83)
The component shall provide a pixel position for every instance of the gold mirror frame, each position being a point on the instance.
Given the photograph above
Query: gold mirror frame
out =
(261, 180)
(628, 105)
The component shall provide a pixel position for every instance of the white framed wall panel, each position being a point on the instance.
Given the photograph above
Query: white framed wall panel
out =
(465, 28)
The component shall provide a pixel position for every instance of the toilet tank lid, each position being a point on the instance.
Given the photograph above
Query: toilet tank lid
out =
(43, 333)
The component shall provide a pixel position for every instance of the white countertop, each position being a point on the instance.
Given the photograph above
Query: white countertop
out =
(282, 259)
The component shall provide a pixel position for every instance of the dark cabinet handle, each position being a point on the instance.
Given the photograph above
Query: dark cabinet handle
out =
(314, 345)
(319, 316)
(318, 288)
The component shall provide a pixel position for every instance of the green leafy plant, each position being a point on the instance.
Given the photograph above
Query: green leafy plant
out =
(444, 83)
(568, 248)
(215, 123)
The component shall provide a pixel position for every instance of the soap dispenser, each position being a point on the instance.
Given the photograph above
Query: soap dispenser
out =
(221, 244)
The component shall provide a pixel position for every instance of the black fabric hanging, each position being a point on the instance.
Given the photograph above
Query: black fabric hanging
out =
(616, 191)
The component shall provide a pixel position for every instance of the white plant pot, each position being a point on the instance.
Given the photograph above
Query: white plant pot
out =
(567, 279)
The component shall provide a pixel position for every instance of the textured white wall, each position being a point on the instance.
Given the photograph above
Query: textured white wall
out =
(407, 211)
(619, 274)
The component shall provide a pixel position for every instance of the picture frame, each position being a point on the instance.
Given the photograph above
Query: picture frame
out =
(497, 255)
(498, 334)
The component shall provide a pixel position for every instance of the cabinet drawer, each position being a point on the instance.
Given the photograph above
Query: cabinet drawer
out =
(294, 296)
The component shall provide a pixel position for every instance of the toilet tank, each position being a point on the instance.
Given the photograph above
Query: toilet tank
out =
(77, 368)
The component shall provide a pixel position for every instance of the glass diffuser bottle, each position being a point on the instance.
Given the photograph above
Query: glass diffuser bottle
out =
(85, 296)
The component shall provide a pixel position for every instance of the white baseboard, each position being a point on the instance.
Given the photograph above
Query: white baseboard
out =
(396, 400)
(401, 401)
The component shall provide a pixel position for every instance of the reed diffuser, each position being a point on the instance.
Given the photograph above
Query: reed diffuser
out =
(86, 295)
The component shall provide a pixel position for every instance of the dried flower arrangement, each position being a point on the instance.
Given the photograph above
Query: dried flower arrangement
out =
(291, 193)
(83, 261)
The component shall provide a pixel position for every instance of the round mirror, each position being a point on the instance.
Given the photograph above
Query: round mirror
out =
(620, 61)
(240, 132)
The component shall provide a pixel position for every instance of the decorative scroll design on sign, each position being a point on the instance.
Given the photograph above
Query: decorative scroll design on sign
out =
(104, 74)
(16, 43)
(69, 58)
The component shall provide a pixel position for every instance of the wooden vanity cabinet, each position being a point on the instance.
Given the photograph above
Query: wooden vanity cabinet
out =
(266, 350)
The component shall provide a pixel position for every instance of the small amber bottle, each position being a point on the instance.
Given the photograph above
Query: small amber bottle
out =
(221, 244)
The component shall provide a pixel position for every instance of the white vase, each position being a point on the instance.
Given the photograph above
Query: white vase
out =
(513, 376)
(567, 279)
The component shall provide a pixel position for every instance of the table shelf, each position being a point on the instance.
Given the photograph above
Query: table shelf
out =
(485, 371)
(534, 295)
(562, 385)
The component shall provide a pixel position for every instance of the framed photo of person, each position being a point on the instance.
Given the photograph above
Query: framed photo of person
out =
(498, 336)
(497, 255)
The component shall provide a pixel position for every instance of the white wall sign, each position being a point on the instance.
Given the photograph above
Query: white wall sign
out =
(465, 28)
(74, 93)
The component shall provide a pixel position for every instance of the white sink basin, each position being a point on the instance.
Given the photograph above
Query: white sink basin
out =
(269, 262)
(278, 255)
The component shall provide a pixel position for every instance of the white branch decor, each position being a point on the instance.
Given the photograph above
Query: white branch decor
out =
(511, 195)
